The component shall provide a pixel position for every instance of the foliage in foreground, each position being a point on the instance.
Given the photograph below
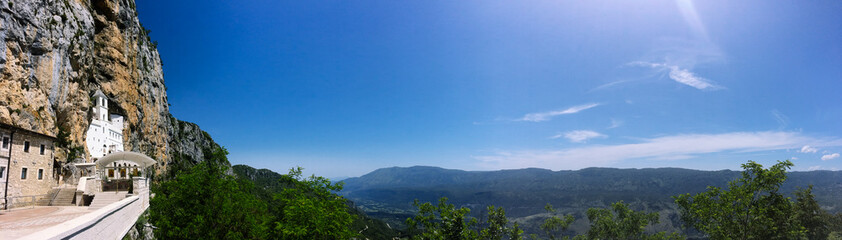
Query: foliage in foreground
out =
(205, 202)
(753, 208)
(445, 221)
(620, 222)
(311, 210)
(442, 221)
(555, 225)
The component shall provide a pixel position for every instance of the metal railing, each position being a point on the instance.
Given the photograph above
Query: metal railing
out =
(52, 195)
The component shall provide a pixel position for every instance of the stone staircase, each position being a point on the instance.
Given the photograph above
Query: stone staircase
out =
(102, 199)
(45, 200)
(64, 197)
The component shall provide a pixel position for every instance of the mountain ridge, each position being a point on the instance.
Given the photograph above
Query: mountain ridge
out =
(388, 193)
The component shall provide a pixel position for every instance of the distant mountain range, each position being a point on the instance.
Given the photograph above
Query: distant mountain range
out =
(388, 193)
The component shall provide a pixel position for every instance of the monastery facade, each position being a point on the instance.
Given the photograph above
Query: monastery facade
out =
(105, 134)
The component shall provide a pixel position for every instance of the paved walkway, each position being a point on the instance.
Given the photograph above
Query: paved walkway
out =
(21, 222)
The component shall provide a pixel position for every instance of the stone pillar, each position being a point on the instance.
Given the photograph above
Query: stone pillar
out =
(79, 201)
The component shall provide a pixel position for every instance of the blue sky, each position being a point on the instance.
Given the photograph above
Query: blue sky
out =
(342, 88)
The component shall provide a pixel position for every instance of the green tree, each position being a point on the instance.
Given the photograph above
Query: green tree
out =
(751, 207)
(810, 215)
(442, 221)
(554, 224)
(834, 223)
(620, 222)
(311, 209)
(515, 233)
(205, 203)
(497, 221)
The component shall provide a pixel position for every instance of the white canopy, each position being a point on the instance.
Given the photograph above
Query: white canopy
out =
(83, 164)
(142, 160)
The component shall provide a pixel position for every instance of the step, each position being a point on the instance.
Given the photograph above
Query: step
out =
(45, 201)
(102, 199)
(64, 197)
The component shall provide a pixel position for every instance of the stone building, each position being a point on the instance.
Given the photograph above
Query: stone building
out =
(27, 165)
(105, 134)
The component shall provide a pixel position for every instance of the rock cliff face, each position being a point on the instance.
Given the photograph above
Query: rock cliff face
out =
(55, 54)
(188, 140)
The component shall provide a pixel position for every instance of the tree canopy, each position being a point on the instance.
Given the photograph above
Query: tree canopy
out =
(204, 201)
(620, 222)
(750, 208)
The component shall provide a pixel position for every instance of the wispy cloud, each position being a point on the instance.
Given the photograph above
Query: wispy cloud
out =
(679, 56)
(546, 116)
(808, 149)
(814, 168)
(830, 156)
(615, 123)
(681, 75)
(579, 136)
(609, 85)
(661, 148)
(782, 119)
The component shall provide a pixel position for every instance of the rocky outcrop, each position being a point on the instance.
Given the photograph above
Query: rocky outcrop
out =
(55, 54)
(189, 140)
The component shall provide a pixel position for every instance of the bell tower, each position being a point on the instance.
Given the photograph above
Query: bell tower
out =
(100, 106)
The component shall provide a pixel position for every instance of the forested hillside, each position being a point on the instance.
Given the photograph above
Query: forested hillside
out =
(267, 183)
(388, 193)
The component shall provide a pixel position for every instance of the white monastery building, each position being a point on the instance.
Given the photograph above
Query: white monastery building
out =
(105, 135)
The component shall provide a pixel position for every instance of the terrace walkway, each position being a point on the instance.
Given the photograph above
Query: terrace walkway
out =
(17, 223)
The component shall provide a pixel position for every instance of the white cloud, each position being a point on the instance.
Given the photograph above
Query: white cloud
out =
(608, 85)
(808, 149)
(794, 158)
(579, 136)
(782, 119)
(661, 148)
(615, 123)
(545, 116)
(814, 168)
(830, 156)
(690, 79)
(681, 75)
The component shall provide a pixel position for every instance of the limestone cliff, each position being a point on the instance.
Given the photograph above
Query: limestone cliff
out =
(188, 140)
(55, 54)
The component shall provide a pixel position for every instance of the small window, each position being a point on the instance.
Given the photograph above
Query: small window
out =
(23, 173)
(42, 149)
(2, 172)
(26, 146)
(40, 174)
(6, 142)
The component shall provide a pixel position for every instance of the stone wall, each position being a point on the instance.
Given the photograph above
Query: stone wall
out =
(33, 161)
(4, 161)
